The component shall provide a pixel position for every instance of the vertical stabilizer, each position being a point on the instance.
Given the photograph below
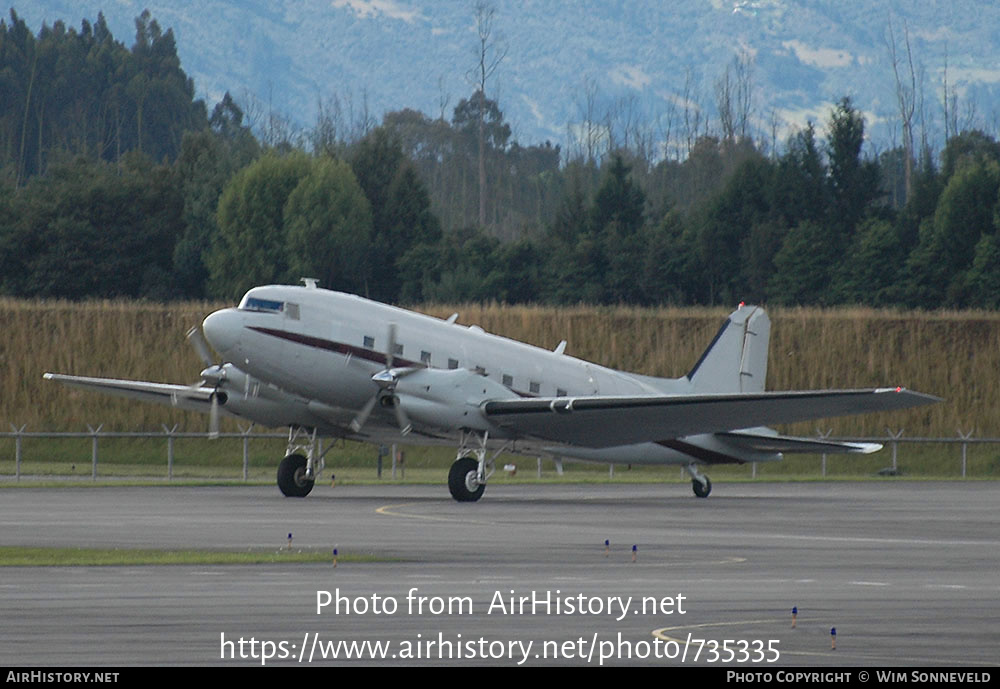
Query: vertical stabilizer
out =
(736, 360)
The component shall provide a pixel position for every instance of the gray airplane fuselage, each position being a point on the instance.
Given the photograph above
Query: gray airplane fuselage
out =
(321, 349)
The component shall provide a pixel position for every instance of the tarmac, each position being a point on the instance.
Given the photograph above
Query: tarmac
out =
(906, 572)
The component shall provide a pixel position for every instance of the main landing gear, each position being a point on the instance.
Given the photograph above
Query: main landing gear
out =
(471, 469)
(292, 478)
(699, 482)
(302, 463)
(463, 480)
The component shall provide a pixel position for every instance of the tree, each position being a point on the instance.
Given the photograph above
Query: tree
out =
(906, 96)
(734, 97)
(853, 181)
(872, 274)
(400, 207)
(251, 245)
(90, 229)
(490, 53)
(803, 266)
(984, 274)
(948, 241)
(84, 94)
(615, 219)
(328, 223)
(800, 189)
(207, 161)
(665, 265)
(722, 224)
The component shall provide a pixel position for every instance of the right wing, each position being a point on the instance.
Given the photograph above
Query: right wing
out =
(614, 420)
(192, 398)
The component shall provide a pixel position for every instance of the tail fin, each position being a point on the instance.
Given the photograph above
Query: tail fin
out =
(736, 360)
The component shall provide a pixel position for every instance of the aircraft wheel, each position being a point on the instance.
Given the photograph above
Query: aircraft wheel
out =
(462, 481)
(701, 491)
(292, 477)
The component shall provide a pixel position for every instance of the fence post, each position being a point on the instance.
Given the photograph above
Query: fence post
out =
(170, 450)
(965, 447)
(93, 449)
(246, 450)
(823, 436)
(17, 450)
(895, 437)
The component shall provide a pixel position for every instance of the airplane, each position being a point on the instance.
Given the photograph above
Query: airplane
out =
(330, 364)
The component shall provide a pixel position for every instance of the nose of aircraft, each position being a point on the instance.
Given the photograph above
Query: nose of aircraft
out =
(222, 330)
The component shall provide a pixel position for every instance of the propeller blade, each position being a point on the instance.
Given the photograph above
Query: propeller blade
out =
(401, 418)
(197, 340)
(390, 352)
(213, 417)
(363, 415)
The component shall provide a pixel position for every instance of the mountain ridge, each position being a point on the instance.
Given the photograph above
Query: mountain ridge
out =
(636, 57)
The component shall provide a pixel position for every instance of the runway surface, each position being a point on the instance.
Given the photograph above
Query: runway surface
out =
(907, 573)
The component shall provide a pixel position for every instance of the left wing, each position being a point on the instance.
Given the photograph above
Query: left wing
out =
(192, 398)
(611, 421)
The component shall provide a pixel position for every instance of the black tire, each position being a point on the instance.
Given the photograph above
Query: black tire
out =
(700, 490)
(462, 474)
(292, 477)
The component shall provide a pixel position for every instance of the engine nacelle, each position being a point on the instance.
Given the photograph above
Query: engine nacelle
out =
(448, 399)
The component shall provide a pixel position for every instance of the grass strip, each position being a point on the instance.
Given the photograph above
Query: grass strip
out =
(29, 556)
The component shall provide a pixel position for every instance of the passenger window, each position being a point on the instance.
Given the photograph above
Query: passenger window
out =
(534, 387)
(425, 358)
(452, 363)
(369, 342)
(508, 380)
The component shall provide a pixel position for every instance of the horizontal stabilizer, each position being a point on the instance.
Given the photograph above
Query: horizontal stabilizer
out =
(181, 396)
(762, 442)
(612, 421)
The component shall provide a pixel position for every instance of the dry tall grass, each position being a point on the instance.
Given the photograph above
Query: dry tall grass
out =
(953, 355)
(99, 338)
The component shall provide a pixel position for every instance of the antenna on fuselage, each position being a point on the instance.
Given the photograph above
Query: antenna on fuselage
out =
(310, 283)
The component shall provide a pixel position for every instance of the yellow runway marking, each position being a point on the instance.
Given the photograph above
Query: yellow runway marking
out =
(659, 633)
(387, 510)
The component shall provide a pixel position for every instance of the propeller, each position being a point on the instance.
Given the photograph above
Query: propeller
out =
(386, 379)
(215, 373)
(200, 344)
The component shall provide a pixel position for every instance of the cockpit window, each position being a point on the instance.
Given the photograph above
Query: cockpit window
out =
(255, 304)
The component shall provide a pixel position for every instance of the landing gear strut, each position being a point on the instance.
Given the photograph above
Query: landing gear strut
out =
(699, 482)
(302, 463)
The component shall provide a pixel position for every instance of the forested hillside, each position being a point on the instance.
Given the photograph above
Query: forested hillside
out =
(116, 181)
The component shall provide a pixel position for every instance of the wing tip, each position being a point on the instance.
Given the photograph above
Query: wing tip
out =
(924, 397)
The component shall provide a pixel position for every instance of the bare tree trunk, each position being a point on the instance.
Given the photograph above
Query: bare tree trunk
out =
(21, 163)
(490, 55)
(906, 99)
